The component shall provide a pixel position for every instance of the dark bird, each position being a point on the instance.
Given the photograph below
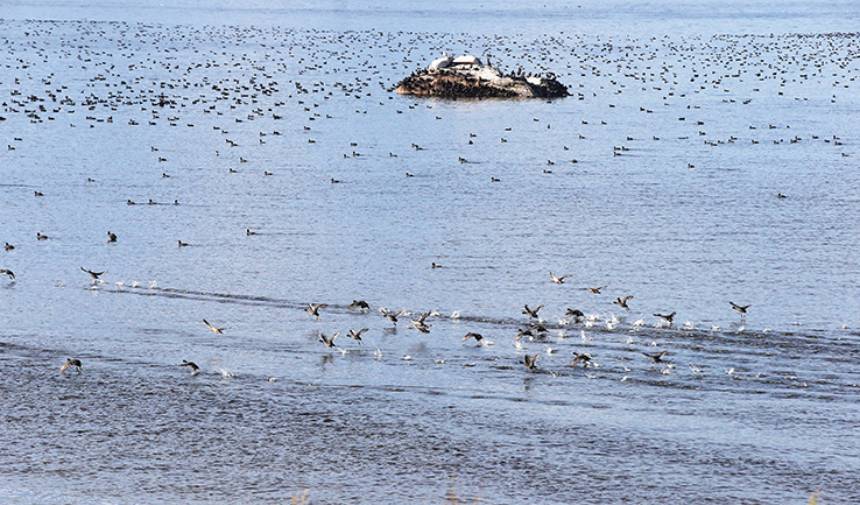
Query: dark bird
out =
(576, 314)
(583, 358)
(192, 365)
(530, 361)
(71, 363)
(7, 272)
(8, 247)
(532, 312)
(656, 357)
(94, 275)
(359, 305)
(666, 317)
(477, 336)
(740, 309)
(111, 236)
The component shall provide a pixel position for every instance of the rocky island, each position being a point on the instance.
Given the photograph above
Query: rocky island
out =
(467, 77)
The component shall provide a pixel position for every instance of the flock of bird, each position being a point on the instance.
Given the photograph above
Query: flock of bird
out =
(223, 84)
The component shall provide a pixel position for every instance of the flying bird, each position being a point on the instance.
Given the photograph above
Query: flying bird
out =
(740, 309)
(621, 301)
(94, 275)
(313, 309)
(213, 328)
(328, 341)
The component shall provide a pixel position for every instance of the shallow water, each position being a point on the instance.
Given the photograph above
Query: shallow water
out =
(759, 410)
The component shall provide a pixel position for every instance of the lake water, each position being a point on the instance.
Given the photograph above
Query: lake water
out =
(686, 120)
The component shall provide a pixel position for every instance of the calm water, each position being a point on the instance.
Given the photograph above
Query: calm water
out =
(711, 114)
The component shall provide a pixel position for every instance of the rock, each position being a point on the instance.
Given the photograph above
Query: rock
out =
(466, 77)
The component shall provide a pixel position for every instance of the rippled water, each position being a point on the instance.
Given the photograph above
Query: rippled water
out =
(715, 115)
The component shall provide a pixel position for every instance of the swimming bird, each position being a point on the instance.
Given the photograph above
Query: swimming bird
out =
(313, 309)
(576, 314)
(192, 365)
(477, 336)
(557, 279)
(94, 275)
(7, 272)
(656, 357)
(583, 358)
(328, 341)
(356, 335)
(182, 244)
(530, 361)
(71, 363)
(740, 309)
(621, 301)
(213, 329)
(41, 236)
(111, 236)
(668, 318)
(359, 305)
(8, 247)
(532, 312)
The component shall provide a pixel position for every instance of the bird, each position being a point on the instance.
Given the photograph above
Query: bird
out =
(477, 336)
(596, 290)
(532, 312)
(666, 317)
(621, 301)
(94, 275)
(313, 309)
(359, 305)
(214, 329)
(111, 236)
(7, 272)
(356, 335)
(557, 279)
(192, 365)
(656, 357)
(583, 358)
(392, 316)
(8, 247)
(41, 236)
(71, 363)
(249, 232)
(576, 314)
(328, 341)
(740, 309)
(420, 324)
(530, 361)
(182, 244)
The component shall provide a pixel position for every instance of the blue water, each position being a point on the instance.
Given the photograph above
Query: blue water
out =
(718, 106)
